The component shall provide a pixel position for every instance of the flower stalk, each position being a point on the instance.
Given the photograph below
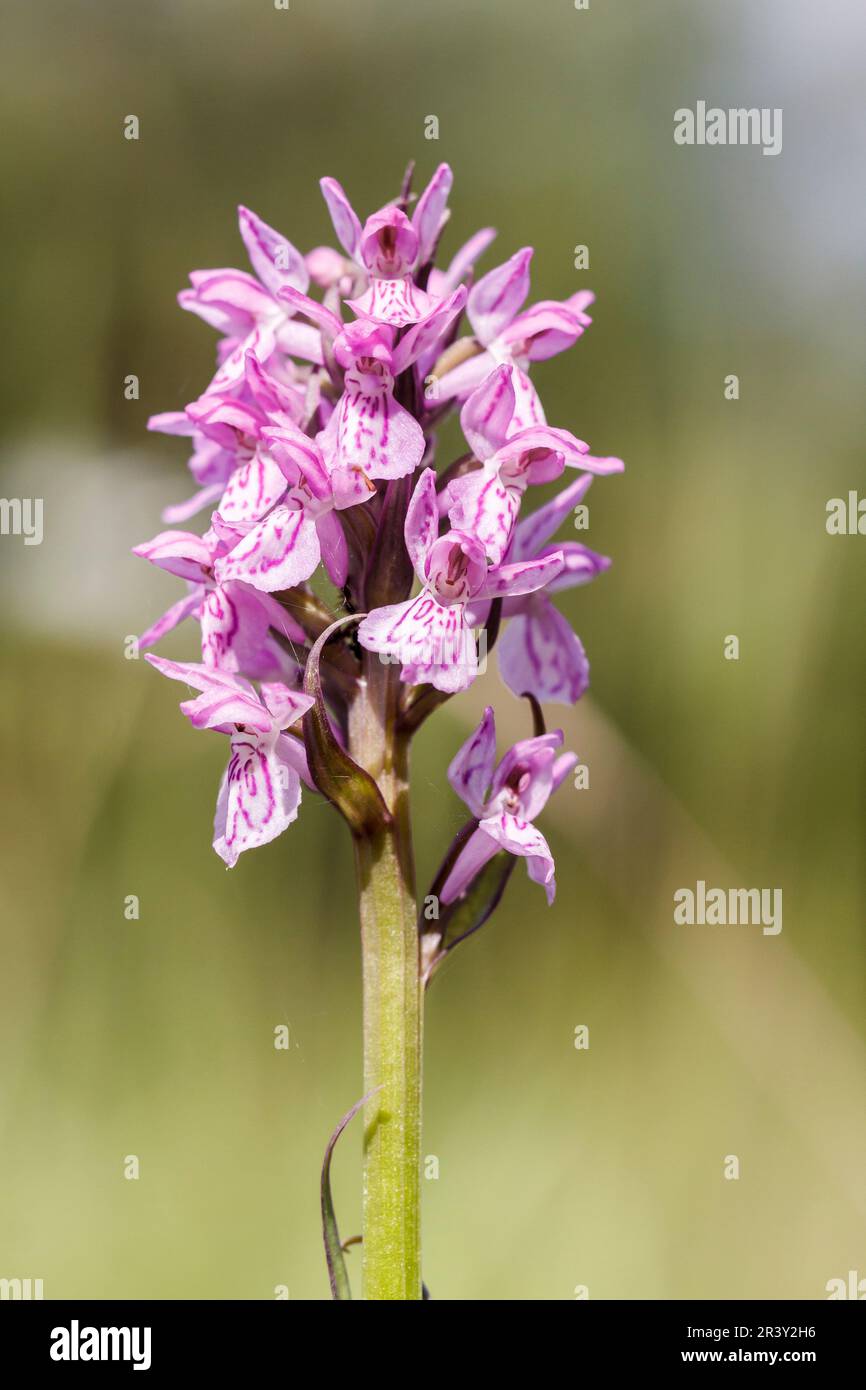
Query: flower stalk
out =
(392, 1001)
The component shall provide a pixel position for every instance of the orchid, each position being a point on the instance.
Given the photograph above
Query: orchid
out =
(429, 634)
(240, 629)
(247, 309)
(505, 800)
(347, 581)
(486, 502)
(506, 335)
(260, 792)
(390, 248)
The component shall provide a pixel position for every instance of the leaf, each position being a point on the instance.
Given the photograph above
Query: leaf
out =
(346, 785)
(337, 1272)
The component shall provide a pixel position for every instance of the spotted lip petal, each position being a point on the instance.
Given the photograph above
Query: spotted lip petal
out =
(395, 302)
(433, 643)
(253, 490)
(281, 551)
(258, 799)
(525, 840)
(372, 434)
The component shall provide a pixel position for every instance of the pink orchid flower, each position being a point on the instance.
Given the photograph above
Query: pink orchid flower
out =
(506, 800)
(508, 335)
(285, 547)
(237, 623)
(486, 501)
(390, 248)
(430, 634)
(539, 653)
(260, 791)
(247, 310)
(226, 429)
(370, 435)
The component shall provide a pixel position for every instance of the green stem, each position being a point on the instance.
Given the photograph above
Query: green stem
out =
(392, 1002)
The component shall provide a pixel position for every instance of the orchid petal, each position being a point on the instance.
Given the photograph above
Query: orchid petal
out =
(531, 533)
(225, 699)
(498, 295)
(259, 797)
(528, 410)
(177, 613)
(234, 291)
(482, 505)
(580, 566)
(182, 511)
(422, 522)
(526, 840)
(299, 303)
(395, 302)
(564, 764)
(460, 381)
(478, 851)
(543, 331)
(471, 770)
(343, 216)
(524, 577)
(274, 259)
(430, 212)
(424, 336)
(486, 417)
(172, 422)
(180, 552)
(375, 434)
(540, 655)
(433, 643)
(253, 490)
(236, 624)
(287, 706)
(280, 552)
(335, 551)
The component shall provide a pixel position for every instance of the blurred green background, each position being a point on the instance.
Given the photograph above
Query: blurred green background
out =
(154, 1037)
